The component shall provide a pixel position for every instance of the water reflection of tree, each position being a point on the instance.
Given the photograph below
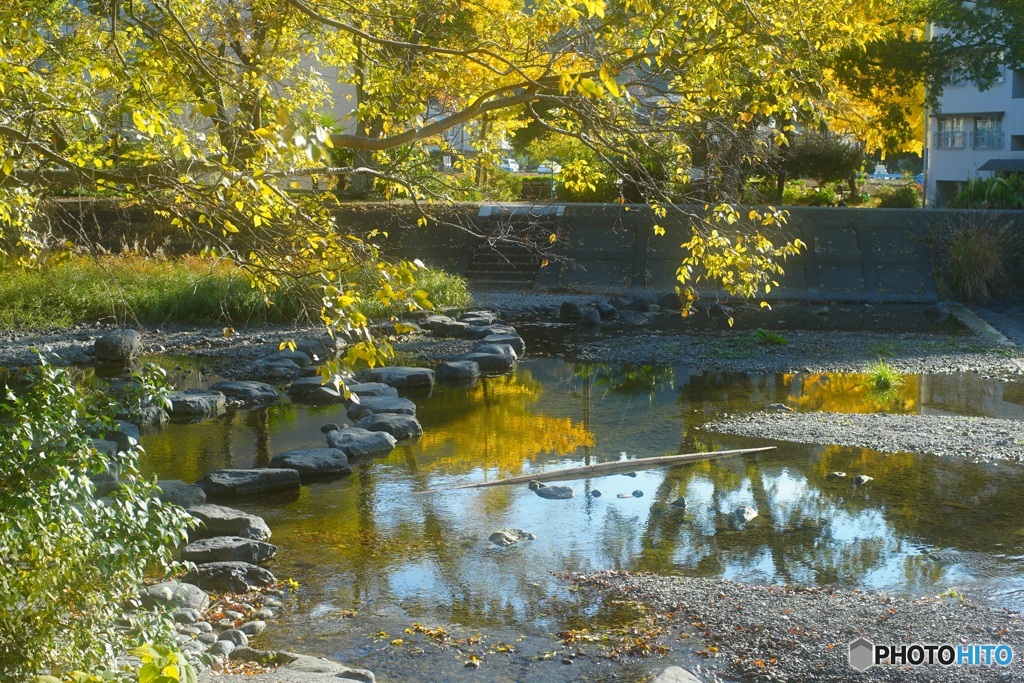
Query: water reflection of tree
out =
(642, 379)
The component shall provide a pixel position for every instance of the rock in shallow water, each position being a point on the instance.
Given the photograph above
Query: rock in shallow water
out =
(861, 479)
(399, 426)
(219, 520)
(745, 513)
(247, 392)
(239, 483)
(361, 443)
(507, 537)
(196, 403)
(555, 492)
(228, 549)
(400, 377)
(314, 462)
(373, 405)
(121, 346)
(236, 577)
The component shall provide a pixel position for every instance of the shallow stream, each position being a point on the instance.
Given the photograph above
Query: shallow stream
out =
(369, 542)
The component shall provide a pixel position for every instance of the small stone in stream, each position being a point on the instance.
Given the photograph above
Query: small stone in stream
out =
(247, 392)
(196, 402)
(401, 427)
(507, 537)
(679, 502)
(534, 485)
(222, 648)
(555, 492)
(263, 613)
(472, 664)
(590, 316)
(596, 493)
(457, 372)
(566, 661)
(329, 427)
(236, 577)
(836, 475)
(745, 513)
(122, 345)
(228, 548)
(628, 474)
(570, 310)
(233, 615)
(638, 494)
(779, 408)
(676, 674)
(861, 479)
(208, 638)
(218, 520)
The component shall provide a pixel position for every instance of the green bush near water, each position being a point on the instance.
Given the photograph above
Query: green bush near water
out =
(153, 290)
(73, 561)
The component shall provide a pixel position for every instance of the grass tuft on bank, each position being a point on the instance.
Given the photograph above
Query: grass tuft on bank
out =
(156, 290)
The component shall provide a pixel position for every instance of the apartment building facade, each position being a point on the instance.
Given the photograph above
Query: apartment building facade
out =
(974, 134)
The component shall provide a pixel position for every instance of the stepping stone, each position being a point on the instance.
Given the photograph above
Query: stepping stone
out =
(400, 377)
(246, 392)
(234, 577)
(487, 330)
(454, 329)
(513, 340)
(121, 346)
(499, 349)
(399, 426)
(491, 363)
(277, 370)
(373, 405)
(433, 319)
(479, 318)
(314, 462)
(317, 349)
(238, 483)
(297, 357)
(220, 520)
(313, 390)
(177, 492)
(457, 372)
(362, 389)
(196, 403)
(361, 443)
(507, 537)
(228, 549)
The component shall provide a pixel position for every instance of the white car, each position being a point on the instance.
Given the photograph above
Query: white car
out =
(550, 167)
(510, 165)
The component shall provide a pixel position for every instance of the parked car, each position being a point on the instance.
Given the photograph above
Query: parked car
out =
(550, 167)
(510, 165)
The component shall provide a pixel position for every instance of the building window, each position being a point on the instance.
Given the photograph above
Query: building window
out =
(988, 132)
(951, 132)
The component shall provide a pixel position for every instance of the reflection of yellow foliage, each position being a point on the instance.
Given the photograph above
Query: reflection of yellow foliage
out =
(847, 393)
(492, 426)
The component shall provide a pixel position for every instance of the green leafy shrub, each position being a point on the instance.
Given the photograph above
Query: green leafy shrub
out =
(991, 193)
(902, 197)
(72, 560)
(883, 383)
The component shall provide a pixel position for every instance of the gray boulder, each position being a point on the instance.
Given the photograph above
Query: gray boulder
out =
(363, 389)
(606, 311)
(253, 628)
(590, 316)
(399, 377)
(399, 426)
(228, 549)
(237, 483)
(433, 319)
(314, 462)
(450, 329)
(318, 349)
(297, 357)
(313, 390)
(491, 363)
(236, 637)
(236, 577)
(222, 648)
(479, 317)
(513, 340)
(457, 372)
(246, 392)
(277, 370)
(570, 310)
(500, 349)
(196, 403)
(373, 405)
(861, 479)
(146, 417)
(121, 346)
(485, 331)
(219, 520)
(633, 319)
(173, 594)
(555, 492)
(670, 300)
(177, 492)
(361, 443)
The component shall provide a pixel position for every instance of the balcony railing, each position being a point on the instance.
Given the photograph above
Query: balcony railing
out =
(987, 139)
(949, 139)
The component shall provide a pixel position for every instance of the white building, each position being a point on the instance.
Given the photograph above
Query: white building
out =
(974, 134)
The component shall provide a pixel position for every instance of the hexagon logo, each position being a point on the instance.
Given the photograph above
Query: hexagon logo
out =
(862, 654)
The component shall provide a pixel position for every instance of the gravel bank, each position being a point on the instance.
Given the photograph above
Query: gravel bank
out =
(966, 437)
(806, 351)
(773, 633)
